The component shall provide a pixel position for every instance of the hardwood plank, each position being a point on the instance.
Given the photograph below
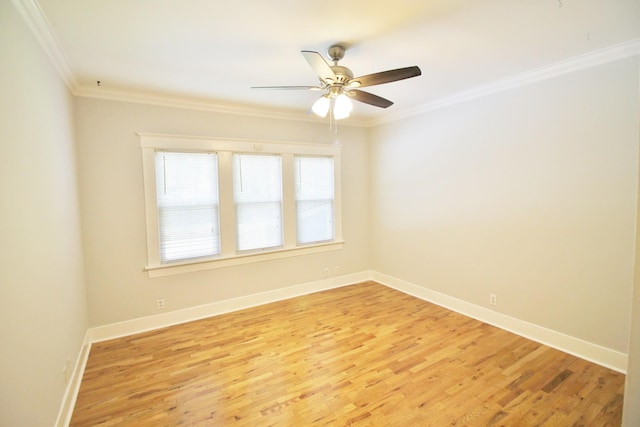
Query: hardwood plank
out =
(360, 355)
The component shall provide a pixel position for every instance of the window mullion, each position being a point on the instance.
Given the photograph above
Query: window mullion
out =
(227, 207)
(288, 201)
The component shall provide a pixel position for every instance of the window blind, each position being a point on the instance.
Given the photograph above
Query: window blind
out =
(314, 193)
(187, 198)
(257, 192)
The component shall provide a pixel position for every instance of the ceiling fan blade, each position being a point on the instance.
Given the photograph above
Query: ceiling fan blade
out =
(385, 77)
(369, 98)
(319, 65)
(288, 87)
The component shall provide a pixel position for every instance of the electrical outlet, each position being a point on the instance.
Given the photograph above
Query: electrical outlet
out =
(160, 303)
(326, 272)
(337, 269)
(493, 299)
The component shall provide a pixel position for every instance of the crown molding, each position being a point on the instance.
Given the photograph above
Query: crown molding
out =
(38, 23)
(36, 20)
(149, 98)
(587, 60)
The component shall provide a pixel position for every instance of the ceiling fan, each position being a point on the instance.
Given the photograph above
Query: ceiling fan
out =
(339, 84)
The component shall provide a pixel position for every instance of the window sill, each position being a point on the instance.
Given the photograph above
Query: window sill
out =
(220, 262)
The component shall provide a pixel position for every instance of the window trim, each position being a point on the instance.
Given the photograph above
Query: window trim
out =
(225, 147)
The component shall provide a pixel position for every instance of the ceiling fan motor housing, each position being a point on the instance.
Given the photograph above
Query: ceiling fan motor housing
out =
(342, 73)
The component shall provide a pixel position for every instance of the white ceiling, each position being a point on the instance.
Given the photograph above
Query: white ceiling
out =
(215, 50)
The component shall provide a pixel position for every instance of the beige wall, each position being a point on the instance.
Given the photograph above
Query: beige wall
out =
(113, 215)
(529, 194)
(43, 315)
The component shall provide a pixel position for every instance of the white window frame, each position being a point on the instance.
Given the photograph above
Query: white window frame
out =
(225, 148)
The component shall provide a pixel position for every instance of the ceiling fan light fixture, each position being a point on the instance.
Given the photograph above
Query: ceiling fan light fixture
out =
(342, 107)
(321, 106)
(339, 84)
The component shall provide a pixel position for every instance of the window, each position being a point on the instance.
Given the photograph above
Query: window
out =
(257, 193)
(187, 193)
(314, 199)
(214, 203)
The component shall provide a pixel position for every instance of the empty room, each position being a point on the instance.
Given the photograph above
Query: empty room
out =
(412, 213)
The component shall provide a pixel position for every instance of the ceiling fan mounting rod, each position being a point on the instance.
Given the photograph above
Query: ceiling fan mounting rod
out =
(336, 53)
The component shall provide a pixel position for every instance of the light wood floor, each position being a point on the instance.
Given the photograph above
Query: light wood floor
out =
(363, 355)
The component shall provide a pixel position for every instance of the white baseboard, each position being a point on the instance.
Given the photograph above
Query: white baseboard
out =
(592, 352)
(585, 350)
(73, 387)
(129, 327)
